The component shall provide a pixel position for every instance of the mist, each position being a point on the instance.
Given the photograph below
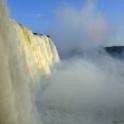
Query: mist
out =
(83, 90)
(80, 29)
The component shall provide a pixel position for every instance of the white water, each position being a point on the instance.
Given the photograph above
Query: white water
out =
(16, 101)
(80, 91)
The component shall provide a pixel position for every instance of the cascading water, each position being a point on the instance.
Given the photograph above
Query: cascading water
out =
(16, 102)
(80, 91)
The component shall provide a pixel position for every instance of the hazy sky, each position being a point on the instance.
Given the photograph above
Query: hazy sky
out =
(38, 15)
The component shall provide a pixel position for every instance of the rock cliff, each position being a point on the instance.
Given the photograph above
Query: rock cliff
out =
(39, 50)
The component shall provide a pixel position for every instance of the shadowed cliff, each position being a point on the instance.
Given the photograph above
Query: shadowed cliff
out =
(113, 51)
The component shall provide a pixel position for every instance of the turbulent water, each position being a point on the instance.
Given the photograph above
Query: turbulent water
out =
(80, 91)
(16, 101)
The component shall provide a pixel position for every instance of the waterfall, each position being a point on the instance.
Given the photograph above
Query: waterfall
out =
(16, 101)
(84, 90)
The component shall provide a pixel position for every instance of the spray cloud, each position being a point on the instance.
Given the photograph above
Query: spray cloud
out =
(80, 29)
(83, 91)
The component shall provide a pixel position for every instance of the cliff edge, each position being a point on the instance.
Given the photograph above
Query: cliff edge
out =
(39, 50)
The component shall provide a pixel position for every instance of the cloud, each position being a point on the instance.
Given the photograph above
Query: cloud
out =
(87, 91)
(83, 90)
(80, 29)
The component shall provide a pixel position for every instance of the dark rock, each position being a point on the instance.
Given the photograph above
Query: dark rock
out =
(115, 51)
(37, 34)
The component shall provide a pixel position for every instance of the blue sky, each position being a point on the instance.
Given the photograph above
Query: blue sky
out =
(38, 15)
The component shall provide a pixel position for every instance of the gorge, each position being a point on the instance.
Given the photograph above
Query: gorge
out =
(78, 90)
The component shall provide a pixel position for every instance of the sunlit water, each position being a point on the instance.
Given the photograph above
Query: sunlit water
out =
(80, 91)
(16, 100)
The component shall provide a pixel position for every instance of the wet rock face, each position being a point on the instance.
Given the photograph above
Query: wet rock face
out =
(37, 34)
(112, 51)
(115, 51)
